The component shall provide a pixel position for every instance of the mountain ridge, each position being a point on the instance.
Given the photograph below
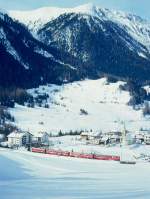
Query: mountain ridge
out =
(24, 58)
(86, 43)
(36, 18)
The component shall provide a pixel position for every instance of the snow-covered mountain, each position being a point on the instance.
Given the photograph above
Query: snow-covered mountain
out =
(34, 19)
(82, 105)
(23, 58)
(137, 27)
(101, 41)
(73, 44)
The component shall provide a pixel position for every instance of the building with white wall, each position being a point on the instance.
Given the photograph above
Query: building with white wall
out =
(18, 139)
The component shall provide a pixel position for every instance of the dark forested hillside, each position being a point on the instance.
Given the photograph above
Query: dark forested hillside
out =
(69, 48)
(103, 47)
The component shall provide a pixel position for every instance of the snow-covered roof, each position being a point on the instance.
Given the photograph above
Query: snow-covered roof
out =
(15, 135)
(105, 138)
(95, 134)
(84, 134)
(40, 134)
(139, 136)
(114, 136)
(147, 135)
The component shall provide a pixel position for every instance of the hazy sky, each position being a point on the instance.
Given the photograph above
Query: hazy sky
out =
(139, 7)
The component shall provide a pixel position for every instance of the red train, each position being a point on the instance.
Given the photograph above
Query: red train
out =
(75, 154)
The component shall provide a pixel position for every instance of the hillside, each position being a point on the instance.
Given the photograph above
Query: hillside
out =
(83, 105)
(137, 27)
(79, 32)
(25, 61)
(72, 50)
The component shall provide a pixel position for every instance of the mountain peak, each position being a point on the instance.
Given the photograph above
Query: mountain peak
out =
(89, 8)
(3, 12)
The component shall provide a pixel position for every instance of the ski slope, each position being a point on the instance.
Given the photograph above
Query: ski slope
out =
(39, 176)
(105, 104)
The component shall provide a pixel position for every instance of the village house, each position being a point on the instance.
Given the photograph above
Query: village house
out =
(18, 139)
(111, 137)
(104, 140)
(41, 138)
(94, 138)
(115, 136)
(139, 138)
(84, 136)
(95, 135)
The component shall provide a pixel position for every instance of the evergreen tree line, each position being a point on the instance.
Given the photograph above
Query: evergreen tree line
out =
(8, 96)
(5, 118)
(137, 92)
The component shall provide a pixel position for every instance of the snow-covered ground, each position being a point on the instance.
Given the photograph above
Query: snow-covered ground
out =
(39, 176)
(75, 143)
(105, 104)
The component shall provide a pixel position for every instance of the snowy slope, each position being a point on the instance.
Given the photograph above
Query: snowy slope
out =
(2, 13)
(138, 28)
(105, 104)
(34, 19)
(51, 177)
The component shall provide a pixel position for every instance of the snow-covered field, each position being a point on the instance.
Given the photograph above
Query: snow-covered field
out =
(105, 104)
(39, 176)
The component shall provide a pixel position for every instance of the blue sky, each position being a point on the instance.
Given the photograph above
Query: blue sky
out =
(139, 7)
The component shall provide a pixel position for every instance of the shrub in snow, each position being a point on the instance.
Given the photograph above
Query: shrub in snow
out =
(111, 79)
(46, 106)
(5, 115)
(60, 133)
(6, 129)
(41, 123)
(83, 112)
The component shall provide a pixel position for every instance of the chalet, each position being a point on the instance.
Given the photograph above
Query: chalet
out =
(18, 139)
(114, 138)
(41, 138)
(94, 138)
(84, 136)
(95, 135)
(104, 140)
